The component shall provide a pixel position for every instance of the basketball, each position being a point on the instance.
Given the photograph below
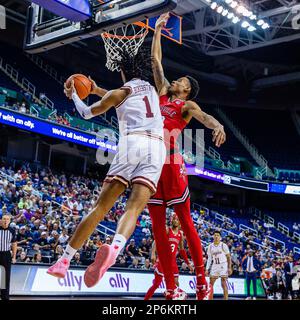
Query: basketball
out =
(82, 84)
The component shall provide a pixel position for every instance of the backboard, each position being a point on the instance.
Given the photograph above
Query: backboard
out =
(46, 30)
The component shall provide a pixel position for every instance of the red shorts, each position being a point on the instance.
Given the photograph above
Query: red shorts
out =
(172, 187)
(158, 269)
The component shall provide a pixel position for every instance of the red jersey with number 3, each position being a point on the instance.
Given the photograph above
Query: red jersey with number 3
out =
(173, 120)
(174, 240)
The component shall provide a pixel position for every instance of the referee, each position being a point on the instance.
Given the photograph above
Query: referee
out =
(7, 242)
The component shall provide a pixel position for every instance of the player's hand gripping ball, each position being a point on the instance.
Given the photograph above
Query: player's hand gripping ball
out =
(82, 84)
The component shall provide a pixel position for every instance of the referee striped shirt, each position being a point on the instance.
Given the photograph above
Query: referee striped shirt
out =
(7, 237)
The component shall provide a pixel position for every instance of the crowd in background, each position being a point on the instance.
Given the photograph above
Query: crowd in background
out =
(47, 207)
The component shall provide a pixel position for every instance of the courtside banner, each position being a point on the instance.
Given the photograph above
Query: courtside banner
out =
(32, 124)
(115, 282)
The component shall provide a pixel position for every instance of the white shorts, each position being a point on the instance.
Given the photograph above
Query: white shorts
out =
(219, 270)
(139, 159)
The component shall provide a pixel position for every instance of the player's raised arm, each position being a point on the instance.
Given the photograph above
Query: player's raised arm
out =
(111, 99)
(161, 82)
(194, 111)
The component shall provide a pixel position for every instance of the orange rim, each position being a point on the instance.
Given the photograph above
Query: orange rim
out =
(139, 24)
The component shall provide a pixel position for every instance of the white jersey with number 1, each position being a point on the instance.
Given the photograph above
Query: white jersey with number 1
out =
(140, 111)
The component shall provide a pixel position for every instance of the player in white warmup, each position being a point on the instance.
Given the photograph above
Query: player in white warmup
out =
(138, 162)
(219, 263)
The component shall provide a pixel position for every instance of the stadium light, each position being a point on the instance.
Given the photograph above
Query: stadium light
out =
(245, 24)
(224, 13)
(251, 29)
(241, 9)
(220, 9)
(260, 22)
(265, 26)
(214, 5)
(230, 15)
(239, 13)
(235, 19)
(233, 4)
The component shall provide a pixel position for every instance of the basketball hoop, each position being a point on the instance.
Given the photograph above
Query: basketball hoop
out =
(127, 38)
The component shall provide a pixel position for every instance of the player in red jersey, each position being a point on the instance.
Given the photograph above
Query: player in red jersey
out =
(178, 109)
(175, 238)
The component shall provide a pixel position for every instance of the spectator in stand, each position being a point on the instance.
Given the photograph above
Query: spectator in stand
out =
(23, 257)
(135, 264)
(23, 108)
(22, 238)
(132, 251)
(184, 268)
(278, 285)
(63, 238)
(76, 261)
(108, 240)
(296, 283)
(58, 252)
(37, 258)
(143, 222)
(144, 248)
(121, 262)
(146, 265)
(289, 275)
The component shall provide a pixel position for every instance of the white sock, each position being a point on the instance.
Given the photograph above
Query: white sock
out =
(118, 243)
(69, 253)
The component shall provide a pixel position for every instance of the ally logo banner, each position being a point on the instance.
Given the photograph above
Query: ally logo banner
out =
(121, 282)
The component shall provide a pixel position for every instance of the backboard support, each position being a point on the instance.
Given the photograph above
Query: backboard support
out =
(46, 31)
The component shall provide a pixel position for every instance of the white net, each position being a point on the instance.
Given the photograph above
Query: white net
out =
(127, 38)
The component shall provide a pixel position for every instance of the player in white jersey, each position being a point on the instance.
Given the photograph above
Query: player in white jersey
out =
(219, 262)
(138, 162)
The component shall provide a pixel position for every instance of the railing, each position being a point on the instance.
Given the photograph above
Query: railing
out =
(7, 177)
(196, 206)
(11, 72)
(257, 213)
(296, 236)
(244, 227)
(274, 241)
(34, 111)
(106, 229)
(269, 220)
(28, 86)
(45, 67)
(46, 101)
(283, 229)
(296, 250)
(25, 84)
(219, 216)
